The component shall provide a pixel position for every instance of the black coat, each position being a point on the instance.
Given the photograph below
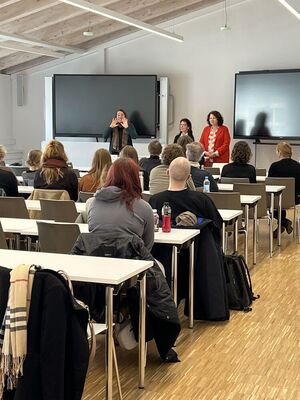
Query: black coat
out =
(162, 317)
(57, 349)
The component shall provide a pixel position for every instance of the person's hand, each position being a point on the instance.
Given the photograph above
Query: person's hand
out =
(207, 153)
(114, 123)
(124, 123)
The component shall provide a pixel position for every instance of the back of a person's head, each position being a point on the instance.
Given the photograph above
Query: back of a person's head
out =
(129, 152)
(170, 152)
(183, 141)
(100, 166)
(194, 151)
(284, 149)
(124, 174)
(34, 158)
(154, 148)
(2, 152)
(54, 150)
(241, 152)
(179, 169)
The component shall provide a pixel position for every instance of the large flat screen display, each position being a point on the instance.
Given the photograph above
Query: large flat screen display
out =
(84, 105)
(267, 105)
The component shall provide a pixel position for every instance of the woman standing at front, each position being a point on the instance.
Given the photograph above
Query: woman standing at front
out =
(215, 139)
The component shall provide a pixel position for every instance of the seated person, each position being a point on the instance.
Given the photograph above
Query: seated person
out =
(130, 152)
(286, 167)
(95, 177)
(2, 161)
(148, 163)
(159, 180)
(9, 183)
(34, 163)
(183, 141)
(55, 174)
(181, 199)
(194, 152)
(239, 168)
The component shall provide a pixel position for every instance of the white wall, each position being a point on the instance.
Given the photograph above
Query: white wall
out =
(263, 35)
(5, 110)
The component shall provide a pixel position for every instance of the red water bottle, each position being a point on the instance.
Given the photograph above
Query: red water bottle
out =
(166, 217)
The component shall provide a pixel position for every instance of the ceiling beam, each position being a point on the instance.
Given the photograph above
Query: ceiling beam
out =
(290, 8)
(33, 42)
(85, 5)
(40, 52)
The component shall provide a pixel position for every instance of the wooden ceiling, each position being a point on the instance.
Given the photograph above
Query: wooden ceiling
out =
(39, 31)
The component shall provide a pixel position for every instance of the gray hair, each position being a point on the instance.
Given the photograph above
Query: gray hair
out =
(194, 151)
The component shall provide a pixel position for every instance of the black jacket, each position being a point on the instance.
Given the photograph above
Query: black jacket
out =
(9, 183)
(68, 182)
(236, 170)
(287, 168)
(57, 349)
(162, 317)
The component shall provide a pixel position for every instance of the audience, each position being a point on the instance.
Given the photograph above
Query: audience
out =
(154, 148)
(34, 163)
(239, 168)
(185, 128)
(159, 180)
(181, 199)
(95, 177)
(130, 152)
(194, 152)
(286, 167)
(119, 204)
(9, 183)
(2, 155)
(183, 141)
(54, 173)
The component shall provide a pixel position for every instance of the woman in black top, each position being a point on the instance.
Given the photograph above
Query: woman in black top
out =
(185, 127)
(239, 168)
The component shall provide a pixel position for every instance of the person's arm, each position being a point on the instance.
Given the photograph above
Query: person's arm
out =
(225, 145)
(253, 175)
(213, 183)
(131, 131)
(13, 185)
(107, 133)
(272, 170)
(73, 191)
(148, 234)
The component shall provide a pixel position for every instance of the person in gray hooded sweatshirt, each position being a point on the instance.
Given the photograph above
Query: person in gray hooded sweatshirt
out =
(119, 204)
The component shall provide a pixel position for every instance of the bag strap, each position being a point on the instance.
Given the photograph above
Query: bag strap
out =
(254, 297)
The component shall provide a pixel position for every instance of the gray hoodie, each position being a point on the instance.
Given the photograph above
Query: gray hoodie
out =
(106, 212)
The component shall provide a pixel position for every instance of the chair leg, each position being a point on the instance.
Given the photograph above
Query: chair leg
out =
(117, 371)
(298, 224)
(246, 246)
(294, 222)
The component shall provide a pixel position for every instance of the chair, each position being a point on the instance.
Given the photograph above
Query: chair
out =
(59, 210)
(224, 179)
(13, 207)
(288, 195)
(261, 171)
(49, 194)
(28, 178)
(76, 172)
(18, 170)
(213, 170)
(231, 201)
(57, 238)
(84, 196)
(3, 243)
(146, 196)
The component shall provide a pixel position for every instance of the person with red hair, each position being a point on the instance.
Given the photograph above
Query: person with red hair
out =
(118, 205)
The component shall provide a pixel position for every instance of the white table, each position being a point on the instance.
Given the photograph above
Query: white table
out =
(273, 190)
(36, 206)
(25, 189)
(175, 238)
(229, 216)
(107, 271)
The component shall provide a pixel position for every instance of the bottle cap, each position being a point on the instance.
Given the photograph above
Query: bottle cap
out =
(154, 210)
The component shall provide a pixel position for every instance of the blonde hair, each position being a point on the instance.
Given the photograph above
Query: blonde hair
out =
(284, 149)
(129, 152)
(34, 158)
(53, 150)
(100, 166)
(2, 152)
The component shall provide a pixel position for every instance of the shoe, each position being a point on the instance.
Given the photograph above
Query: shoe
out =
(289, 227)
(275, 233)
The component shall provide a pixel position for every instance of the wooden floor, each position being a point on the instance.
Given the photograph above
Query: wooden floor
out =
(254, 356)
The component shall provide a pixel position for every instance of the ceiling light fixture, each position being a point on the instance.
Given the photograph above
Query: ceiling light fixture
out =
(290, 8)
(225, 27)
(85, 5)
(88, 33)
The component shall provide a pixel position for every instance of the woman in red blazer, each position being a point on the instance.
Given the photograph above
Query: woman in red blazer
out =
(215, 139)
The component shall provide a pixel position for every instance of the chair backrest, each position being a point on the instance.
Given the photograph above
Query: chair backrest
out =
(213, 170)
(13, 207)
(18, 170)
(57, 238)
(3, 244)
(146, 196)
(76, 172)
(233, 180)
(261, 171)
(59, 210)
(227, 201)
(84, 196)
(219, 165)
(28, 178)
(49, 194)
(258, 189)
(288, 195)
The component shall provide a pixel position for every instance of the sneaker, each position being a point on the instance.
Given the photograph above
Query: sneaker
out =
(289, 227)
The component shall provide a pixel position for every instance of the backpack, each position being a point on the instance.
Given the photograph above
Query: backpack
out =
(238, 281)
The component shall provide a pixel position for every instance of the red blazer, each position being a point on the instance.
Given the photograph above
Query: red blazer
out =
(222, 143)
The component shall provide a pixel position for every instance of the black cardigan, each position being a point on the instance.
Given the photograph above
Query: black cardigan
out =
(68, 182)
(236, 170)
(287, 168)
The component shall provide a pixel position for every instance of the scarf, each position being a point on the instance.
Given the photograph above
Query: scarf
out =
(53, 163)
(13, 333)
(116, 136)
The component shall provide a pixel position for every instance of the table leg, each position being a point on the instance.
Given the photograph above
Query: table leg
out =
(191, 283)
(271, 228)
(109, 342)
(236, 232)
(255, 234)
(142, 332)
(246, 227)
(223, 237)
(174, 273)
(279, 218)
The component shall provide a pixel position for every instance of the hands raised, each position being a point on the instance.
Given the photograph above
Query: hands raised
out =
(114, 123)
(124, 123)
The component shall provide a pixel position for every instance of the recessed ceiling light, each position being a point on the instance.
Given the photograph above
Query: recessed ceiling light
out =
(88, 33)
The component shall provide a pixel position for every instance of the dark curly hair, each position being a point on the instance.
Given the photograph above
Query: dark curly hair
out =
(241, 152)
(217, 115)
(170, 152)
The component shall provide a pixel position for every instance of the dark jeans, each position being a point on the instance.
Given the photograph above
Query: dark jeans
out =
(284, 219)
